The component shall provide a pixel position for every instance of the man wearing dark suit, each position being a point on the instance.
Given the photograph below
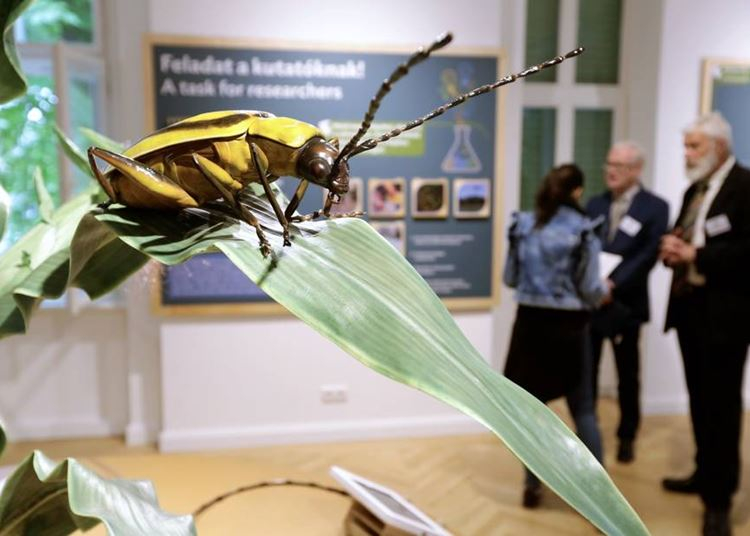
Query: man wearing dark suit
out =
(709, 251)
(635, 221)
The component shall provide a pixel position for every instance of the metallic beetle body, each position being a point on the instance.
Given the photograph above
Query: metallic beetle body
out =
(288, 148)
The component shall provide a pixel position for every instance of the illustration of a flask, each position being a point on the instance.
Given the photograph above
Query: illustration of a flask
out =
(461, 157)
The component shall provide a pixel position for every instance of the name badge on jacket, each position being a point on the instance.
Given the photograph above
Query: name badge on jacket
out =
(630, 226)
(718, 225)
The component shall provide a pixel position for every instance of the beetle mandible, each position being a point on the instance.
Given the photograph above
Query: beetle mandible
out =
(216, 154)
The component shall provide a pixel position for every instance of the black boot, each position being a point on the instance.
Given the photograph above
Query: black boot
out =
(625, 452)
(681, 485)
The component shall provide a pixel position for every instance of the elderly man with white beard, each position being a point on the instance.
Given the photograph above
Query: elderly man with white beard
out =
(709, 252)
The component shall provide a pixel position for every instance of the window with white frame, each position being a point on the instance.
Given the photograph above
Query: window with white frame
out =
(60, 50)
(574, 112)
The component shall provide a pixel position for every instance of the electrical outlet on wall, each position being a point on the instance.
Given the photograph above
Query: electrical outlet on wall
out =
(334, 393)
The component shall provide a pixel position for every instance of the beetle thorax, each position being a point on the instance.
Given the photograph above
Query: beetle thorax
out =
(281, 158)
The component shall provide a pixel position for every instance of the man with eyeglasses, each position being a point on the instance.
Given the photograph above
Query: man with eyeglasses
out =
(635, 220)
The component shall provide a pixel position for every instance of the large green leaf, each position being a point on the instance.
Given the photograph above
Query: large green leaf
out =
(48, 499)
(46, 205)
(37, 266)
(343, 279)
(12, 81)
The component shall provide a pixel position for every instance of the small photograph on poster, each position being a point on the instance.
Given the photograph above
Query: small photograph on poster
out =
(352, 201)
(386, 198)
(394, 232)
(471, 198)
(429, 198)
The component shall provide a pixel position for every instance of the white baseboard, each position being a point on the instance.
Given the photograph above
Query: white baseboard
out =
(37, 430)
(315, 432)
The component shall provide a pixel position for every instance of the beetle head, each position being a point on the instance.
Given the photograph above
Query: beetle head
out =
(316, 162)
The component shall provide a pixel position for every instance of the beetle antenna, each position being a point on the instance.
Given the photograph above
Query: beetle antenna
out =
(419, 56)
(373, 142)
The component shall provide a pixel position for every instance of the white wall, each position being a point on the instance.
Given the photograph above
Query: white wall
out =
(64, 378)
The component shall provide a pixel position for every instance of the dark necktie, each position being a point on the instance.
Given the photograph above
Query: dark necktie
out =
(686, 225)
(617, 210)
(685, 230)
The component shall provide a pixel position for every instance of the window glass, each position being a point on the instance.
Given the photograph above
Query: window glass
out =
(542, 21)
(27, 127)
(593, 137)
(537, 151)
(599, 32)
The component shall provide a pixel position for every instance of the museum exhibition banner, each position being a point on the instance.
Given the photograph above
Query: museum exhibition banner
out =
(432, 192)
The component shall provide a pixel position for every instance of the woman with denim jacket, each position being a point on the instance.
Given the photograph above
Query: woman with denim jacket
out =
(553, 263)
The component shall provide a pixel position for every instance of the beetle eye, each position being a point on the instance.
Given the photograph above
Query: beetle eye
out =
(319, 169)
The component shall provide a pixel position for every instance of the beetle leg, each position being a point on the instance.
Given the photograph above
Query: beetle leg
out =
(296, 198)
(214, 171)
(325, 212)
(105, 184)
(262, 169)
(146, 187)
(327, 205)
(223, 182)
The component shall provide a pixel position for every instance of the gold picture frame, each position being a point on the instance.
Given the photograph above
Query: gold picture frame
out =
(472, 198)
(386, 197)
(429, 198)
(721, 68)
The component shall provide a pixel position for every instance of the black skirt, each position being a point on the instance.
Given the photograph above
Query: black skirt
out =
(546, 351)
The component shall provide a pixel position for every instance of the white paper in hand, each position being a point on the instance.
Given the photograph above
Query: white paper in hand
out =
(607, 263)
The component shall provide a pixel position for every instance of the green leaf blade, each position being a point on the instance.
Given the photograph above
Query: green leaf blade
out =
(347, 282)
(46, 205)
(394, 323)
(45, 498)
(36, 266)
(12, 81)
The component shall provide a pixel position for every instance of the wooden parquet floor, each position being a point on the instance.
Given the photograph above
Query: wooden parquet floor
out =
(469, 484)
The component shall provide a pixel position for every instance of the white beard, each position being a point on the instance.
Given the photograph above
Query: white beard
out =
(703, 168)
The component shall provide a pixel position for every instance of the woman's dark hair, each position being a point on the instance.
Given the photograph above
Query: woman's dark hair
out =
(557, 189)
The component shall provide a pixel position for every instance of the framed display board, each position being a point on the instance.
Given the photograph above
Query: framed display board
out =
(433, 191)
(726, 88)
